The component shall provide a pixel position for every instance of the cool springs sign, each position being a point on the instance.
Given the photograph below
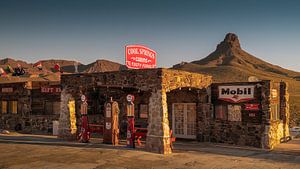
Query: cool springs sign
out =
(236, 94)
(139, 57)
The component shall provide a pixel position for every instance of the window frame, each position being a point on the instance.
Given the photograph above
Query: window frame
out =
(225, 107)
(2, 107)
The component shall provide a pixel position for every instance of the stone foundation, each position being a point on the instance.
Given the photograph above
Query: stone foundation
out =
(37, 124)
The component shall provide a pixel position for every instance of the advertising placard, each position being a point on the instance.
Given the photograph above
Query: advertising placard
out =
(236, 94)
(139, 57)
(251, 106)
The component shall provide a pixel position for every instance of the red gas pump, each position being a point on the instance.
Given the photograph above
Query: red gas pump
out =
(84, 135)
(130, 122)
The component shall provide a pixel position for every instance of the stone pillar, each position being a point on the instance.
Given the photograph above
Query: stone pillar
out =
(284, 108)
(67, 121)
(266, 110)
(158, 136)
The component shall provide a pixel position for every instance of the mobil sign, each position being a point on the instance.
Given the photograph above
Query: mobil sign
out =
(236, 94)
(139, 57)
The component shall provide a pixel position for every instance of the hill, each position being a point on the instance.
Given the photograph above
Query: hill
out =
(48, 73)
(103, 66)
(230, 63)
(66, 66)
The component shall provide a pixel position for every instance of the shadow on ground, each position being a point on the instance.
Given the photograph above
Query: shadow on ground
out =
(179, 147)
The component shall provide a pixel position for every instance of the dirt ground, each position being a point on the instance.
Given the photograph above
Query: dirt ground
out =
(33, 151)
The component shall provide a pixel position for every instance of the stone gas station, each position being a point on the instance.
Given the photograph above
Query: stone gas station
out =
(150, 86)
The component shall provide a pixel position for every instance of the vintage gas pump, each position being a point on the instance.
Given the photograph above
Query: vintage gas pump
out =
(84, 135)
(130, 122)
(111, 123)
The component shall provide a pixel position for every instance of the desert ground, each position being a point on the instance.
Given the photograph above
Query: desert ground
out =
(37, 151)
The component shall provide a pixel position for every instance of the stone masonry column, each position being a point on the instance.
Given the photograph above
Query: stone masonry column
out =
(266, 109)
(67, 120)
(158, 136)
(284, 107)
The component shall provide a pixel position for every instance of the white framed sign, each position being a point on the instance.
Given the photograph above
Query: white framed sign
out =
(108, 125)
(234, 113)
(236, 94)
(108, 110)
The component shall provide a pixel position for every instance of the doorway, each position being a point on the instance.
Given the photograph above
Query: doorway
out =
(184, 120)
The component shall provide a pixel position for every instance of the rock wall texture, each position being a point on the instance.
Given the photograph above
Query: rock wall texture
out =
(67, 128)
(25, 120)
(276, 131)
(256, 128)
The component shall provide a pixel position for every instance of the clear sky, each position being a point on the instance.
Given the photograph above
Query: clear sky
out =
(179, 30)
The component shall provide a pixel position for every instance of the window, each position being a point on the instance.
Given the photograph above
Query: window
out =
(48, 107)
(4, 106)
(52, 107)
(143, 111)
(275, 112)
(234, 113)
(56, 107)
(37, 106)
(221, 112)
(13, 107)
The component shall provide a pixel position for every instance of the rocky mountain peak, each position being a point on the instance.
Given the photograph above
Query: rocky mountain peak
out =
(230, 41)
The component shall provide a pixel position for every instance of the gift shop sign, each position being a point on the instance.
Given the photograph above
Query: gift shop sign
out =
(236, 94)
(50, 89)
(7, 90)
(139, 57)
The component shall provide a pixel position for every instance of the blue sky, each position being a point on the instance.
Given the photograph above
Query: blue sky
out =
(179, 30)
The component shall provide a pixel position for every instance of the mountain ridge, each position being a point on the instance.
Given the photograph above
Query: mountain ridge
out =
(67, 66)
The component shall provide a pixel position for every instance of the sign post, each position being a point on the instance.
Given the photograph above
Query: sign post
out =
(130, 122)
(139, 57)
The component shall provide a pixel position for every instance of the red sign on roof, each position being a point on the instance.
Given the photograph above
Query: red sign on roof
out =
(139, 57)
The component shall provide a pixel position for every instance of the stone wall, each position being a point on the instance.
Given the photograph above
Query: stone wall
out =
(273, 134)
(20, 94)
(258, 130)
(247, 132)
(25, 121)
(277, 131)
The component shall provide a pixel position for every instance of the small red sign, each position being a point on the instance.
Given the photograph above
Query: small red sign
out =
(251, 106)
(139, 57)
